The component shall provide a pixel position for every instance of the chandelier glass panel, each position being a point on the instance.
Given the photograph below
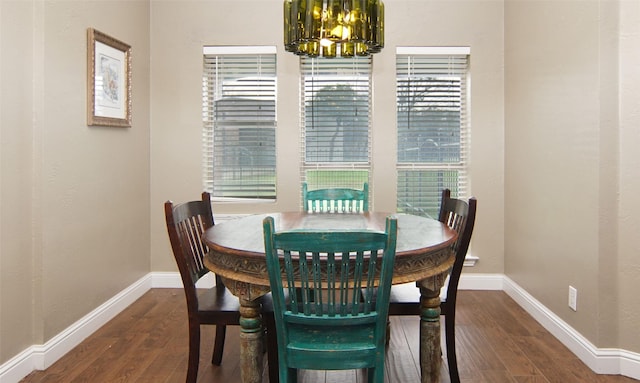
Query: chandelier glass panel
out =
(331, 28)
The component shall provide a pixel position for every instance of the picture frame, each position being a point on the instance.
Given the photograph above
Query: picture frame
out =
(108, 81)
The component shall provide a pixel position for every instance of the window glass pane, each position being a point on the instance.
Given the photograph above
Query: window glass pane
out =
(336, 104)
(239, 110)
(336, 113)
(429, 119)
(420, 191)
(321, 179)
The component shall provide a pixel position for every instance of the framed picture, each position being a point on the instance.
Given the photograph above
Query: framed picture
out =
(108, 81)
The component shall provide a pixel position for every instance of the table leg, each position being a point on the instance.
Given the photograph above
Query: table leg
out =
(251, 337)
(430, 352)
(251, 328)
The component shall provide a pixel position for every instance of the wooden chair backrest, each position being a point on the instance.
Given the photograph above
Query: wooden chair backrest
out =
(186, 224)
(460, 216)
(330, 278)
(335, 200)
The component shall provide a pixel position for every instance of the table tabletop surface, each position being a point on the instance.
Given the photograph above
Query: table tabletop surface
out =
(244, 236)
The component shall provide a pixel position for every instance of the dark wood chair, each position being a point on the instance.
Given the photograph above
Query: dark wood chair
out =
(335, 200)
(337, 327)
(217, 306)
(405, 298)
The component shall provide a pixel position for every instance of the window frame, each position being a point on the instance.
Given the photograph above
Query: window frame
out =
(211, 97)
(351, 172)
(422, 169)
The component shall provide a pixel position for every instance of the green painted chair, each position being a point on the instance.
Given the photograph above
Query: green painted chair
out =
(339, 326)
(336, 200)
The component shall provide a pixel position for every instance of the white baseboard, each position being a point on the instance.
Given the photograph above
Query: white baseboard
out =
(172, 280)
(39, 357)
(600, 360)
(471, 281)
(166, 280)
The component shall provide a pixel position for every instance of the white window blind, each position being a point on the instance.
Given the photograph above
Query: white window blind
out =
(433, 129)
(336, 115)
(239, 116)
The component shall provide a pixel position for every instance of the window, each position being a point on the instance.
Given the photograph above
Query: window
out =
(433, 139)
(335, 115)
(239, 117)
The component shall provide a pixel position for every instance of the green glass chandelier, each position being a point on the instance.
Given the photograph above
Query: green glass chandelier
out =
(332, 28)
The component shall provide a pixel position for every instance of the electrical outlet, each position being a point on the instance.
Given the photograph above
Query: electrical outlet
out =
(573, 298)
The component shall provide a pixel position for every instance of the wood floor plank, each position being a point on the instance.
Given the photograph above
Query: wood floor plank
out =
(399, 367)
(497, 341)
(512, 357)
(498, 376)
(476, 345)
(554, 370)
(411, 328)
(163, 367)
(531, 379)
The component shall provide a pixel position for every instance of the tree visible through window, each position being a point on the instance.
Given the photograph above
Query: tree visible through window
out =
(336, 121)
(432, 129)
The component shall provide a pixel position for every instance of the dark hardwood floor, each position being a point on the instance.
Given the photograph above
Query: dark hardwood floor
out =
(497, 342)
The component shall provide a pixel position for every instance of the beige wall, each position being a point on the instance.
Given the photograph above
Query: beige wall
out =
(74, 199)
(179, 31)
(571, 162)
(16, 135)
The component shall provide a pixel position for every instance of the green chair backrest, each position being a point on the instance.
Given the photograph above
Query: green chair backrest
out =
(331, 297)
(335, 200)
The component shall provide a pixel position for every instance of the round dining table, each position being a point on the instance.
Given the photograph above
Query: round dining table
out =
(423, 255)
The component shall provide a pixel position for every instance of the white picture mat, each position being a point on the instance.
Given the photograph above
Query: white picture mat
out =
(110, 82)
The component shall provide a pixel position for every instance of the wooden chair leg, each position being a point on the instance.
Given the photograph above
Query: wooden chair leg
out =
(292, 375)
(370, 375)
(218, 346)
(388, 333)
(375, 374)
(194, 352)
(271, 346)
(450, 339)
(272, 350)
